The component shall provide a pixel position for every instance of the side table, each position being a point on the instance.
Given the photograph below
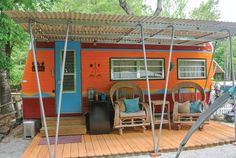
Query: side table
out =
(156, 103)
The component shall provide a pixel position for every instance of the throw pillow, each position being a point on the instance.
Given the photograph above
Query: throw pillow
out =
(184, 107)
(131, 105)
(196, 107)
(121, 104)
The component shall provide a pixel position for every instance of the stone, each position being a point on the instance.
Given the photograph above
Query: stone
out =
(1, 137)
(4, 130)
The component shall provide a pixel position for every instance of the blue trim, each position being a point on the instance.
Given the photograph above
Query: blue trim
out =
(44, 49)
(161, 91)
(44, 95)
(148, 50)
(71, 101)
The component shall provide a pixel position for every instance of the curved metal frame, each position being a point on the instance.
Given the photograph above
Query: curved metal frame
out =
(219, 102)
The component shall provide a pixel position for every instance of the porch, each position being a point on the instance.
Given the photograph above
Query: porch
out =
(134, 142)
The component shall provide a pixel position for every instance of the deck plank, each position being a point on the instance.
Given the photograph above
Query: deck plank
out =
(43, 152)
(82, 148)
(74, 150)
(96, 146)
(89, 146)
(102, 142)
(110, 144)
(131, 143)
(126, 146)
(66, 151)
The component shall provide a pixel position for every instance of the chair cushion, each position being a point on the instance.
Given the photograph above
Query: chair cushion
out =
(132, 105)
(140, 113)
(196, 107)
(184, 107)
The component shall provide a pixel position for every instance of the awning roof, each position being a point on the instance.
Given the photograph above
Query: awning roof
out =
(101, 28)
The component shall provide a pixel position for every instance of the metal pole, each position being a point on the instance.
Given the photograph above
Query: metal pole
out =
(166, 86)
(212, 59)
(233, 79)
(148, 88)
(61, 88)
(232, 58)
(39, 90)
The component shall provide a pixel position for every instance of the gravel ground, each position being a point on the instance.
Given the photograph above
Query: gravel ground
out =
(224, 151)
(13, 145)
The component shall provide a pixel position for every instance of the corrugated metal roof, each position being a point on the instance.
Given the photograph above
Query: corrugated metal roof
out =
(50, 26)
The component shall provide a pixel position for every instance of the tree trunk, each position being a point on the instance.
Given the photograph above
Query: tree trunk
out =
(5, 93)
(5, 89)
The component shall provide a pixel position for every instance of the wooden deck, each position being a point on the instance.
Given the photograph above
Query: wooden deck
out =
(133, 142)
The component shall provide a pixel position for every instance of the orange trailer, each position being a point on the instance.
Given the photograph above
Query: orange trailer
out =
(98, 68)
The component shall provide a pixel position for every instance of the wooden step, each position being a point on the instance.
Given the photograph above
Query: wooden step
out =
(68, 126)
(51, 122)
(67, 118)
(65, 130)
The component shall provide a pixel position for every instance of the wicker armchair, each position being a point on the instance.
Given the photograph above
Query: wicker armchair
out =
(128, 90)
(199, 94)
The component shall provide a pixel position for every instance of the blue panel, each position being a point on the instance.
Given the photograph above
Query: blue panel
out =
(71, 101)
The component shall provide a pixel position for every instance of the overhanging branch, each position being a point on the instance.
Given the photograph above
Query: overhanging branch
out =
(159, 8)
(124, 5)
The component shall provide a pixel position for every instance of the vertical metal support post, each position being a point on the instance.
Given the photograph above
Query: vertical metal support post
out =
(39, 89)
(148, 88)
(166, 86)
(233, 79)
(61, 88)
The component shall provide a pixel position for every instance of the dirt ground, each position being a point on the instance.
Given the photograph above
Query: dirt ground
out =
(13, 145)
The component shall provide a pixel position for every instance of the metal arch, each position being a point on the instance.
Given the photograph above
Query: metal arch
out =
(61, 88)
(39, 89)
(219, 102)
(233, 75)
(166, 85)
(148, 87)
(212, 59)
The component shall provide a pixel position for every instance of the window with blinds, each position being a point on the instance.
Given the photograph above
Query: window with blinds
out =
(191, 68)
(131, 69)
(69, 73)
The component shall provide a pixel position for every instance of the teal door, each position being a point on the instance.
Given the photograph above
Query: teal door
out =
(71, 96)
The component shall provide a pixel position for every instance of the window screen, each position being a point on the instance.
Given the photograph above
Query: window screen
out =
(191, 68)
(69, 73)
(124, 69)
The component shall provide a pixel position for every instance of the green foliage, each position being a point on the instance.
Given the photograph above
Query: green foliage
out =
(101, 6)
(222, 50)
(5, 63)
(174, 8)
(206, 11)
(14, 40)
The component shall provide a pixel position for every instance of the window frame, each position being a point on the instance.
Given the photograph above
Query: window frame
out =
(75, 74)
(135, 59)
(192, 59)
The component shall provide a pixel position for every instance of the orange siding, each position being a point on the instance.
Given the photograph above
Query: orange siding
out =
(102, 57)
(47, 81)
